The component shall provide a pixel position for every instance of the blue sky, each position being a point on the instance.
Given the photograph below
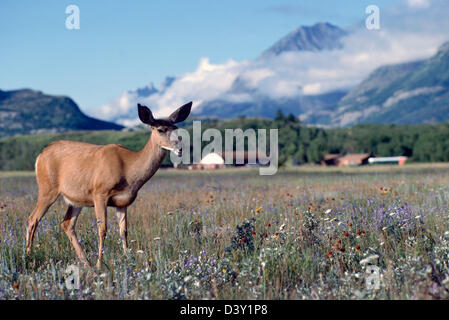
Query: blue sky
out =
(123, 45)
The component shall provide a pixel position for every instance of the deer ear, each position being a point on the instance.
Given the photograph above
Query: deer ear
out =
(181, 114)
(145, 114)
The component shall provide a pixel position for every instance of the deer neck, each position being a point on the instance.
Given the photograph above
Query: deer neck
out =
(148, 161)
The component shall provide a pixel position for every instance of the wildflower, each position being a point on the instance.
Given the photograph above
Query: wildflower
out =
(59, 291)
(328, 211)
(330, 254)
(282, 227)
(342, 249)
(363, 233)
(346, 234)
(140, 251)
(338, 241)
(276, 235)
(242, 240)
(269, 225)
(369, 259)
(38, 245)
(15, 286)
(157, 238)
(417, 217)
(357, 248)
(253, 233)
(358, 233)
(224, 271)
(349, 224)
(150, 259)
(259, 209)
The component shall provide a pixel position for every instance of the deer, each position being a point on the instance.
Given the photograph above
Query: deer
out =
(100, 176)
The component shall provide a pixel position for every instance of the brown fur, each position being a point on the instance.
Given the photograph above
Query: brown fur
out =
(88, 175)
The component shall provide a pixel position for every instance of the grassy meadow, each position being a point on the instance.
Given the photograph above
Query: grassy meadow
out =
(304, 233)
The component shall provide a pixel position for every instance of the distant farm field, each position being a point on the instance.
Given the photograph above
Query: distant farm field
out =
(307, 233)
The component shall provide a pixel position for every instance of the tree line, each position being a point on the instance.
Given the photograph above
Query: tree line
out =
(298, 143)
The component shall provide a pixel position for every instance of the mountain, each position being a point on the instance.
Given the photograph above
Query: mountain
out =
(314, 108)
(407, 93)
(142, 93)
(28, 111)
(321, 36)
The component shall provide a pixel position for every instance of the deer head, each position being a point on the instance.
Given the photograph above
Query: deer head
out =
(162, 129)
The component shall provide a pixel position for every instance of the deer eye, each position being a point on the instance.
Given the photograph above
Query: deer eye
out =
(161, 130)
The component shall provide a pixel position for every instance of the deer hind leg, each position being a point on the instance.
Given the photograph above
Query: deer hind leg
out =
(68, 224)
(44, 201)
(123, 223)
(101, 214)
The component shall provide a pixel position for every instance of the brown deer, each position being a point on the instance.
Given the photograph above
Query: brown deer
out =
(88, 175)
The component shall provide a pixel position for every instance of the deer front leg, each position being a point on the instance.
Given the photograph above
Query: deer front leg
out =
(123, 223)
(101, 214)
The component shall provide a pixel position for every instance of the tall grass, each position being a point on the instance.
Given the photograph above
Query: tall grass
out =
(301, 234)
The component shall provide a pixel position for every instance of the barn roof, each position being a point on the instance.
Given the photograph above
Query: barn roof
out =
(354, 157)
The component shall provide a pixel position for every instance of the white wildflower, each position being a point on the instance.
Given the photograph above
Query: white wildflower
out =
(369, 259)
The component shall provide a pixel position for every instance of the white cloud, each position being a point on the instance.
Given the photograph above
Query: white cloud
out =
(419, 3)
(313, 88)
(405, 35)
